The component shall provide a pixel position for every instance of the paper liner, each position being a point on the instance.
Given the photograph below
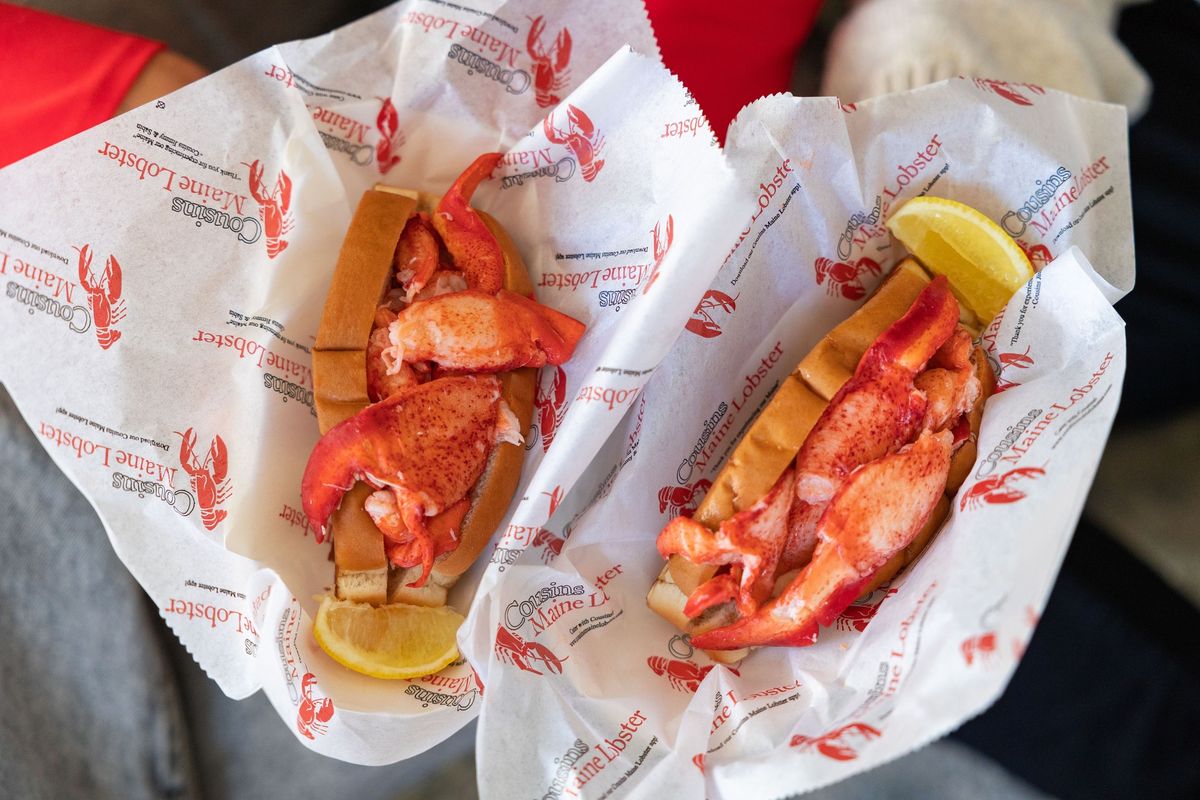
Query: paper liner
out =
(570, 646)
(213, 217)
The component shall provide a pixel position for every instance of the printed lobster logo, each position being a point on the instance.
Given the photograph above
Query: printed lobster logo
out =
(681, 501)
(391, 138)
(315, 712)
(104, 296)
(209, 480)
(845, 279)
(1038, 254)
(998, 489)
(682, 675)
(581, 138)
(1009, 90)
(274, 207)
(550, 71)
(981, 647)
(857, 617)
(663, 237)
(512, 649)
(552, 544)
(556, 497)
(551, 404)
(1008, 362)
(698, 760)
(838, 744)
(702, 322)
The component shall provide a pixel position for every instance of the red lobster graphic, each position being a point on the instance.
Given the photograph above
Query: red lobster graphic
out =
(702, 323)
(512, 649)
(274, 209)
(549, 69)
(1011, 361)
(661, 247)
(1008, 90)
(683, 675)
(845, 279)
(682, 500)
(551, 405)
(315, 713)
(857, 617)
(391, 138)
(832, 745)
(581, 138)
(1038, 254)
(104, 296)
(556, 497)
(552, 544)
(982, 646)
(698, 760)
(997, 490)
(209, 480)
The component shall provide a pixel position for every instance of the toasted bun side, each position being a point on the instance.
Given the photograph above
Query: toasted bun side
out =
(360, 564)
(432, 594)
(964, 458)
(494, 491)
(363, 271)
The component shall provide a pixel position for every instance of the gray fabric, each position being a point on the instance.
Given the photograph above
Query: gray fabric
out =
(101, 700)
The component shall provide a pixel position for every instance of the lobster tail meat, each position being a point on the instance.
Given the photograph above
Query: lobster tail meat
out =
(429, 443)
(472, 246)
(473, 331)
(873, 516)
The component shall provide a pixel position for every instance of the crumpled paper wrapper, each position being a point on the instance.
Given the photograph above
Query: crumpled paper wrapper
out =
(164, 274)
(622, 703)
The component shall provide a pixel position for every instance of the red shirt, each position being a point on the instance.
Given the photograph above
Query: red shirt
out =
(59, 77)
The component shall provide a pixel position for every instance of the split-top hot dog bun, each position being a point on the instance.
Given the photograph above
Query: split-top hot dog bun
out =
(777, 434)
(363, 274)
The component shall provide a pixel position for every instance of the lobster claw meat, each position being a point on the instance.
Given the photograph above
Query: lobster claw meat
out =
(753, 538)
(873, 516)
(472, 246)
(473, 331)
(429, 443)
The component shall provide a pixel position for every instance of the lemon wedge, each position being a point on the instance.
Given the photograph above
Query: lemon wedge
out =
(982, 262)
(395, 641)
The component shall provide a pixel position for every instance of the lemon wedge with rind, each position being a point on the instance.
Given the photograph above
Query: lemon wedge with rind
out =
(396, 641)
(982, 262)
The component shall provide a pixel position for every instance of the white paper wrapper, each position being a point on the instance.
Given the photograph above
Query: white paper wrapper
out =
(203, 324)
(622, 704)
(630, 219)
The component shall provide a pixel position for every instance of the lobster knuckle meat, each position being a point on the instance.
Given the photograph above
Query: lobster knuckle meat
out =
(473, 331)
(472, 246)
(753, 538)
(429, 442)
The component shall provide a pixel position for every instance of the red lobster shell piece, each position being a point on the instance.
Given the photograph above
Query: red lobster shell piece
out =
(474, 331)
(472, 247)
(874, 515)
(429, 443)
